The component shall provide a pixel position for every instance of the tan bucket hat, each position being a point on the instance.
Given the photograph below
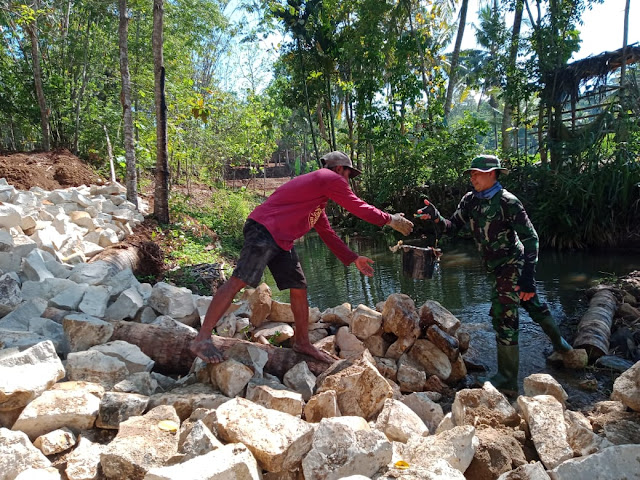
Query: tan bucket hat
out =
(339, 159)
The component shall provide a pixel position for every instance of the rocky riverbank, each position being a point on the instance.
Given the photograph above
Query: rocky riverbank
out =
(85, 389)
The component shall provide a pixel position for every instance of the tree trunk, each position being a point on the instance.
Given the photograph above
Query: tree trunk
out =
(306, 98)
(85, 79)
(169, 349)
(423, 67)
(142, 258)
(112, 169)
(32, 30)
(625, 39)
(130, 155)
(455, 56)
(161, 200)
(511, 68)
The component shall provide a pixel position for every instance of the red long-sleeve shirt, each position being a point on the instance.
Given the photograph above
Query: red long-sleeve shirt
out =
(298, 206)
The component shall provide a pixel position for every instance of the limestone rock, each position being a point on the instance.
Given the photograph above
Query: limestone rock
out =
(359, 386)
(457, 446)
(340, 450)
(17, 454)
(429, 411)
(278, 440)
(399, 317)
(76, 409)
(322, 405)
(25, 375)
(55, 442)
(545, 417)
(399, 423)
(116, 408)
(432, 313)
(544, 384)
(140, 445)
(232, 461)
(486, 405)
(614, 463)
(626, 388)
(365, 322)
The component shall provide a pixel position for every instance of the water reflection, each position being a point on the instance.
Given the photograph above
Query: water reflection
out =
(459, 282)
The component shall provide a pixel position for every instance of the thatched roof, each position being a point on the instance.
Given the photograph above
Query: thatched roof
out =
(597, 67)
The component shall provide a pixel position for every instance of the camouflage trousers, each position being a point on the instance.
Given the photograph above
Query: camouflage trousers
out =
(505, 302)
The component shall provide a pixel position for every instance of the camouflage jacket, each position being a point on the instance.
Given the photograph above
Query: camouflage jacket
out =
(501, 229)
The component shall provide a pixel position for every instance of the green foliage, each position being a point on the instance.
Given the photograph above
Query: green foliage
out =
(595, 208)
(405, 164)
(226, 215)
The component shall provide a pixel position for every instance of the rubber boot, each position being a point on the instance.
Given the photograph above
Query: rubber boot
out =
(506, 380)
(550, 327)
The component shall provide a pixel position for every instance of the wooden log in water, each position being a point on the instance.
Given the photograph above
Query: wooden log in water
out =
(594, 329)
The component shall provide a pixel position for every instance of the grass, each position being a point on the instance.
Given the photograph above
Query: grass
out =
(207, 229)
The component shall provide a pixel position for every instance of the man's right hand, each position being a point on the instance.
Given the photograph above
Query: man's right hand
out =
(429, 212)
(401, 224)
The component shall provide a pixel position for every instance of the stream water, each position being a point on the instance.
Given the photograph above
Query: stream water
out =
(460, 284)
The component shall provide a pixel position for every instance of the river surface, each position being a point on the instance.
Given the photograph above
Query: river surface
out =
(459, 284)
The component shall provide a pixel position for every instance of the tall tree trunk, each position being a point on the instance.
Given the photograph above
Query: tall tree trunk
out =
(306, 98)
(453, 74)
(625, 39)
(330, 107)
(507, 144)
(85, 79)
(32, 31)
(112, 169)
(125, 98)
(416, 36)
(161, 201)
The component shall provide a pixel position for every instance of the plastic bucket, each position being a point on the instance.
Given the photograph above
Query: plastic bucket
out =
(419, 262)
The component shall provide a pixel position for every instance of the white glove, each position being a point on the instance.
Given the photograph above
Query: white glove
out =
(401, 224)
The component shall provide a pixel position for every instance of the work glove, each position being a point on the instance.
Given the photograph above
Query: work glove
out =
(401, 224)
(429, 212)
(527, 282)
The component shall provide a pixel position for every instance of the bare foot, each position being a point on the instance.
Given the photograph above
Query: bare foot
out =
(315, 353)
(205, 350)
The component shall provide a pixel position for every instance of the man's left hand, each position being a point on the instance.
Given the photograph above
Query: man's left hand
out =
(524, 296)
(363, 264)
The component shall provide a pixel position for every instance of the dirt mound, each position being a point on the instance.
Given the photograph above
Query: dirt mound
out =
(47, 170)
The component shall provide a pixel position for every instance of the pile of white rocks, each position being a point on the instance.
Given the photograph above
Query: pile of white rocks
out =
(75, 404)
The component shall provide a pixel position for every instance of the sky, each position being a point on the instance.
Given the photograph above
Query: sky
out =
(601, 31)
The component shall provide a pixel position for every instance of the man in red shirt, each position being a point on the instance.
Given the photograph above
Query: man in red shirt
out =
(288, 214)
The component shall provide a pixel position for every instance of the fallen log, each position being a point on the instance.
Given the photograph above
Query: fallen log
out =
(143, 258)
(594, 329)
(169, 349)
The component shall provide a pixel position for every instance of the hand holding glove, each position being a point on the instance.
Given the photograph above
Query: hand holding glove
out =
(429, 212)
(401, 224)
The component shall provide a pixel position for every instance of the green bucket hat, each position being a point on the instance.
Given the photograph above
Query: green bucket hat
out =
(486, 163)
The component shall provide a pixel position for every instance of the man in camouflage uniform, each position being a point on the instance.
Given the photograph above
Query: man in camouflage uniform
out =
(508, 243)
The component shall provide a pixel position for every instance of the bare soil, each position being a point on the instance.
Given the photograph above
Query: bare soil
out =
(47, 170)
(62, 169)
